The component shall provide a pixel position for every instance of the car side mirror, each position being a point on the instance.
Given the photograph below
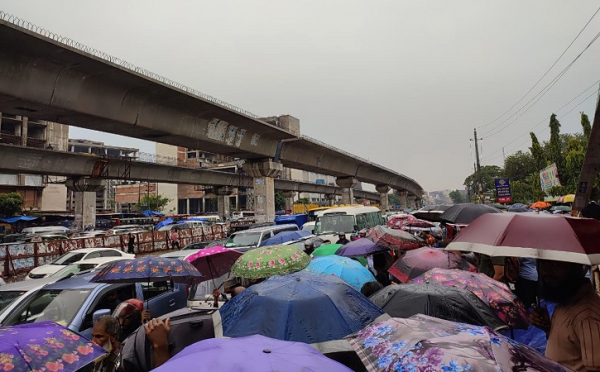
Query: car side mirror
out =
(312, 231)
(100, 313)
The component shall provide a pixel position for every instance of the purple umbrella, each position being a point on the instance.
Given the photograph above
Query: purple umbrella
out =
(44, 346)
(360, 247)
(248, 354)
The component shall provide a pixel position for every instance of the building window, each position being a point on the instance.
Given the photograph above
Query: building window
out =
(195, 205)
(182, 206)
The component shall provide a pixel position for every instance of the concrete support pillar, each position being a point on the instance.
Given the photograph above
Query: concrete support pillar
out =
(383, 191)
(347, 184)
(85, 210)
(412, 202)
(223, 193)
(264, 173)
(330, 199)
(24, 130)
(289, 200)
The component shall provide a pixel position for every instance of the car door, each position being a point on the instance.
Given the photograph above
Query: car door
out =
(163, 297)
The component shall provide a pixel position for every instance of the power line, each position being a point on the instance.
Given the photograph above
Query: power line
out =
(541, 94)
(546, 73)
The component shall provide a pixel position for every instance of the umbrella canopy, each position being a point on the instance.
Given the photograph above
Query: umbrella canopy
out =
(518, 209)
(419, 261)
(326, 250)
(150, 269)
(394, 239)
(591, 210)
(303, 307)
(450, 303)
(215, 261)
(396, 222)
(251, 354)
(285, 236)
(497, 295)
(465, 213)
(360, 247)
(418, 223)
(431, 212)
(562, 208)
(423, 343)
(351, 271)
(268, 261)
(44, 346)
(540, 205)
(542, 236)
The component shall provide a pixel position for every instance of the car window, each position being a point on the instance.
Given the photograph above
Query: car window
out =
(92, 255)
(109, 299)
(289, 228)
(68, 258)
(154, 289)
(8, 297)
(72, 269)
(243, 239)
(109, 253)
(57, 305)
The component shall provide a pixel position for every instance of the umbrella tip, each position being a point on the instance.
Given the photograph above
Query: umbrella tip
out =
(267, 351)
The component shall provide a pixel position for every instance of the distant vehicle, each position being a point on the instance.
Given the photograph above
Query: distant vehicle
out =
(75, 302)
(45, 230)
(249, 239)
(190, 249)
(74, 256)
(12, 294)
(347, 220)
(45, 237)
(89, 234)
(309, 226)
(13, 238)
(121, 221)
(242, 215)
(126, 229)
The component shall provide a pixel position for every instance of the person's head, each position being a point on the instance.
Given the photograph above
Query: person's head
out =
(341, 235)
(112, 296)
(560, 280)
(105, 332)
(129, 315)
(130, 235)
(370, 288)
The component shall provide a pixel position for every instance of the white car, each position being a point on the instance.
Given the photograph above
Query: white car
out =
(74, 256)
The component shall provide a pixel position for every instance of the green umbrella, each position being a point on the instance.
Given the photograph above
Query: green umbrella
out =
(268, 261)
(330, 249)
(326, 250)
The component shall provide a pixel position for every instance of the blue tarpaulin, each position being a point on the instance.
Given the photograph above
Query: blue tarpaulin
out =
(298, 219)
(18, 218)
(165, 222)
(285, 236)
(533, 336)
(149, 213)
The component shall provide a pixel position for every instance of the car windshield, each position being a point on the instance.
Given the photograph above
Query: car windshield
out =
(56, 305)
(8, 297)
(243, 240)
(308, 228)
(334, 224)
(68, 258)
(72, 269)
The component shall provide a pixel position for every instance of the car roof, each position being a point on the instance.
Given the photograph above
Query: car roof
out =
(99, 260)
(87, 250)
(267, 228)
(76, 282)
(355, 209)
(26, 285)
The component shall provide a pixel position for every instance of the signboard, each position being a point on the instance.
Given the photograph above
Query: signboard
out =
(503, 190)
(320, 182)
(549, 177)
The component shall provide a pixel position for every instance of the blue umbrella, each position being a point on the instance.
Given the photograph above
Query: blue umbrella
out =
(345, 268)
(285, 236)
(302, 307)
(149, 268)
(165, 222)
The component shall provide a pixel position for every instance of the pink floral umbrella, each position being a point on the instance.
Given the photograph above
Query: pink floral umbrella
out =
(216, 261)
(497, 295)
(398, 221)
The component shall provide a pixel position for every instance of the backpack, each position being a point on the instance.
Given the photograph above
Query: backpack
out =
(512, 268)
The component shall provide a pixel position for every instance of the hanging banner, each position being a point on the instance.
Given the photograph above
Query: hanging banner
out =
(503, 194)
(549, 177)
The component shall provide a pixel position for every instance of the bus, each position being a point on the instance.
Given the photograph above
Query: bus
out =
(118, 221)
(347, 220)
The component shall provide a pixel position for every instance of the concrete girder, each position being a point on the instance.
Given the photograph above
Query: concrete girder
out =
(44, 79)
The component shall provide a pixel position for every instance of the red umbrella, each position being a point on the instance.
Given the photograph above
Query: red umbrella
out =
(542, 236)
(214, 261)
(419, 261)
(397, 222)
(497, 295)
(394, 239)
(418, 223)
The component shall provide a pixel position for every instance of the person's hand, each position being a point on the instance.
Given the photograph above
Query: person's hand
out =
(540, 318)
(157, 332)
(146, 316)
(216, 293)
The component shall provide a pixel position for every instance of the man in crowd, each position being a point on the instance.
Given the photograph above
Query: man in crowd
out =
(105, 334)
(574, 331)
(491, 266)
(342, 239)
(131, 315)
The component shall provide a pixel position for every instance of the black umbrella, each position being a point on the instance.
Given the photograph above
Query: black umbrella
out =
(591, 210)
(431, 212)
(450, 303)
(465, 213)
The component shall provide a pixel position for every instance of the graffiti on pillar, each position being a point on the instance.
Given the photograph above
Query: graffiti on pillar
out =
(250, 199)
(216, 129)
(231, 135)
(254, 140)
(239, 136)
(222, 131)
(260, 181)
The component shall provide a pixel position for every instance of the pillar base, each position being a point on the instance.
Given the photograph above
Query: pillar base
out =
(383, 191)
(347, 184)
(264, 173)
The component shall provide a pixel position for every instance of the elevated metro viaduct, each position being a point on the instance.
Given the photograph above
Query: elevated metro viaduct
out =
(55, 79)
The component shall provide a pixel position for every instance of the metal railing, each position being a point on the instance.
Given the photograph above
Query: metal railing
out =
(118, 61)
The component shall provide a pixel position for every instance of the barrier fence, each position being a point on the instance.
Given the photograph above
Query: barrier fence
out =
(22, 257)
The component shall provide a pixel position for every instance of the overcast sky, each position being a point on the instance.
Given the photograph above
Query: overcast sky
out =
(402, 83)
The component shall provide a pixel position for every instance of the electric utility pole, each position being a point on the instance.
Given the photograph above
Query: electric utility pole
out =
(478, 175)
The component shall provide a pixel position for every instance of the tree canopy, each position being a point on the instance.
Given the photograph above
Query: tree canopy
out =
(153, 203)
(457, 197)
(11, 204)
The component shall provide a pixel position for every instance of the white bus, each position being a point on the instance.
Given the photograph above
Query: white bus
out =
(347, 220)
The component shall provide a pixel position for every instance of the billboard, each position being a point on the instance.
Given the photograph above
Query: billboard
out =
(503, 190)
(549, 177)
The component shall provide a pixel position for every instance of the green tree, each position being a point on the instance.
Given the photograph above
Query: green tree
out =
(555, 149)
(279, 201)
(537, 152)
(457, 197)
(518, 166)
(587, 127)
(302, 201)
(153, 203)
(488, 174)
(11, 204)
(394, 199)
